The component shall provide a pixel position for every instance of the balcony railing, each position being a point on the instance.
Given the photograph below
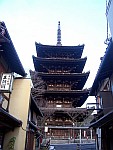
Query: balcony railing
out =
(93, 106)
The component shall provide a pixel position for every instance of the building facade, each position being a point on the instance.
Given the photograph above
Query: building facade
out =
(59, 76)
(102, 89)
(17, 106)
(109, 15)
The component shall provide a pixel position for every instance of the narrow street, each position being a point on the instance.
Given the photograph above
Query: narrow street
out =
(90, 146)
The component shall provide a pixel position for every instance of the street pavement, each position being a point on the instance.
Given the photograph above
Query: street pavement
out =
(73, 147)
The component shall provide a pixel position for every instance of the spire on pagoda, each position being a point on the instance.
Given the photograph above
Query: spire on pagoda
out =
(59, 35)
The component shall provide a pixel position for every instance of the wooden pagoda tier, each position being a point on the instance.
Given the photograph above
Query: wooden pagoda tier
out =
(64, 99)
(65, 116)
(49, 51)
(75, 98)
(54, 64)
(67, 81)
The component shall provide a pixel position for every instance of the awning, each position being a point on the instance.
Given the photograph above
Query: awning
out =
(103, 120)
(35, 128)
(7, 121)
(35, 107)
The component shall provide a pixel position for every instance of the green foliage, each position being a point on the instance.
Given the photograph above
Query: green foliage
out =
(11, 143)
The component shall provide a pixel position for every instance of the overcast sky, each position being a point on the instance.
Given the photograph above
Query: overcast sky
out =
(82, 22)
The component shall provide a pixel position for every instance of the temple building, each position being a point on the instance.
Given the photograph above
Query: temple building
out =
(58, 89)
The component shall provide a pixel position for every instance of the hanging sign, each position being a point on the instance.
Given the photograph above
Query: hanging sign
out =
(6, 82)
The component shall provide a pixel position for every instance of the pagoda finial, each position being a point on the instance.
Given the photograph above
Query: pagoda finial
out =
(59, 35)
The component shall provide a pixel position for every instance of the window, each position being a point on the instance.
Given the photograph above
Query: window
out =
(58, 106)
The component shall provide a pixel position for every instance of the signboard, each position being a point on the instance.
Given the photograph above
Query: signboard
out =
(46, 129)
(6, 82)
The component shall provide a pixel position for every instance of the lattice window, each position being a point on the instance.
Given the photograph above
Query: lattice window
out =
(50, 85)
(58, 85)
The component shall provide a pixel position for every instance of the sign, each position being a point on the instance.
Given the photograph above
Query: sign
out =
(6, 82)
(46, 129)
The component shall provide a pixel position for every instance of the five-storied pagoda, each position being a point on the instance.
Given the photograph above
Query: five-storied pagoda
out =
(58, 90)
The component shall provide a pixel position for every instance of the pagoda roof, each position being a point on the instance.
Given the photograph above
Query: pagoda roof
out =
(75, 110)
(77, 63)
(35, 107)
(105, 69)
(41, 48)
(79, 95)
(78, 78)
(7, 121)
(107, 118)
(55, 75)
(9, 53)
(79, 114)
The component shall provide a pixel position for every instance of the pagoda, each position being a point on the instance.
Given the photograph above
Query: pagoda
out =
(59, 73)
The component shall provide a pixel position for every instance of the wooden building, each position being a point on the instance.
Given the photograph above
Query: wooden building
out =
(59, 82)
(102, 89)
(17, 130)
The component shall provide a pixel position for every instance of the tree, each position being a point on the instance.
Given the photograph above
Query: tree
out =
(38, 88)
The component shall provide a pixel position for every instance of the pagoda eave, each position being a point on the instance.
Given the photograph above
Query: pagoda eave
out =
(40, 49)
(74, 110)
(61, 60)
(78, 97)
(77, 92)
(86, 74)
(39, 45)
(79, 114)
(41, 63)
(79, 79)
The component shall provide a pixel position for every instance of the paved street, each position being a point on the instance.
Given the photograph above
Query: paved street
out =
(74, 147)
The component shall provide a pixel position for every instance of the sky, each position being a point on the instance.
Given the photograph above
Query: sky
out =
(82, 22)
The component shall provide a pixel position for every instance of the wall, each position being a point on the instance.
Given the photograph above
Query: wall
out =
(110, 17)
(107, 99)
(19, 105)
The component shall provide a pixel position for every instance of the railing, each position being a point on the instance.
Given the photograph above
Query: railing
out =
(70, 109)
(93, 106)
(59, 105)
(58, 140)
(59, 89)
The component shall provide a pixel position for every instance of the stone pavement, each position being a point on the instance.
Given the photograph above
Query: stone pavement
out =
(74, 147)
